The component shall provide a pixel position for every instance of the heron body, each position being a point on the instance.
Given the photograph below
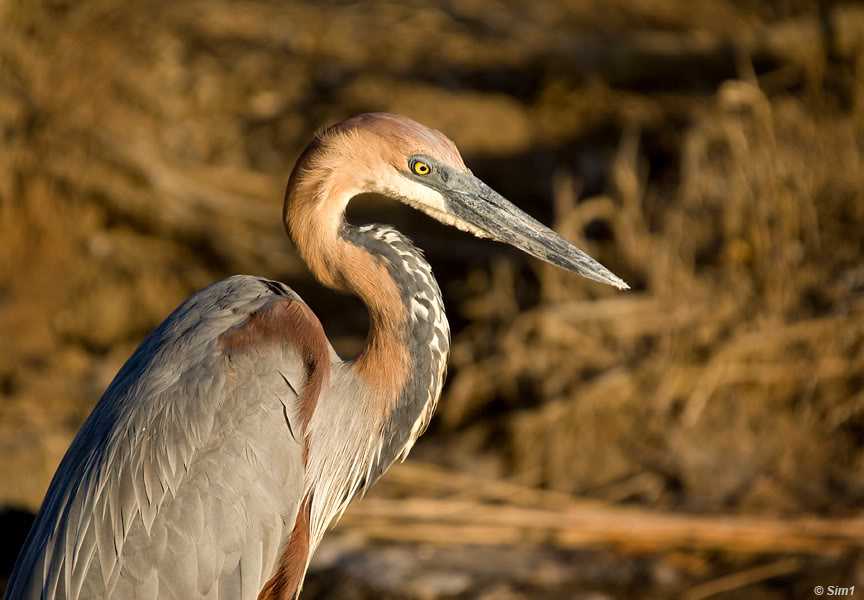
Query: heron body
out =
(235, 434)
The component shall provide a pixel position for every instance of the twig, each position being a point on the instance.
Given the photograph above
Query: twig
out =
(743, 578)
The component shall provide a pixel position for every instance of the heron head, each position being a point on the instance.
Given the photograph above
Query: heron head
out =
(423, 168)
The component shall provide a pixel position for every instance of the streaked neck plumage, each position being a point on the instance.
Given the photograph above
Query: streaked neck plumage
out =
(425, 333)
(398, 376)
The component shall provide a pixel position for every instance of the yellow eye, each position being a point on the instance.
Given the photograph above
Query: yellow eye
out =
(419, 167)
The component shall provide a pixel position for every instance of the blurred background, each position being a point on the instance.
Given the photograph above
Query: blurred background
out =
(700, 436)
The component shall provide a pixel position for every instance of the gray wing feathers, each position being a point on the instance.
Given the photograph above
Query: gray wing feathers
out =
(186, 477)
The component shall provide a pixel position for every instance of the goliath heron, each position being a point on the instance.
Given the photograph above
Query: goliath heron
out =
(235, 434)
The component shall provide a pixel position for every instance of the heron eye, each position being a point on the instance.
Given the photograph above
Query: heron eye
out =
(420, 167)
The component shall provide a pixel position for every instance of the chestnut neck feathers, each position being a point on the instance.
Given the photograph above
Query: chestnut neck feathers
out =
(360, 155)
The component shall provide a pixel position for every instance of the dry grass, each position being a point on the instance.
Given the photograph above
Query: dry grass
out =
(442, 507)
(711, 155)
(750, 315)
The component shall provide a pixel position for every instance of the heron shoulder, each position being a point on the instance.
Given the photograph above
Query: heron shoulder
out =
(183, 427)
(286, 320)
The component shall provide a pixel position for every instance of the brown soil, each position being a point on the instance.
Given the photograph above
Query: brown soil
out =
(708, 151)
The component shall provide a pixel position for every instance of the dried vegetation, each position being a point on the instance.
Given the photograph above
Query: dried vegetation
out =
(709, 152)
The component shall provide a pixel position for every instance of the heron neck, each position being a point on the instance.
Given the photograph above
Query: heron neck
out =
(389, 391)
(422, 331)
(389, 275)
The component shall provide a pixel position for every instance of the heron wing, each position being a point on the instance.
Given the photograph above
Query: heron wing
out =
(185, 480)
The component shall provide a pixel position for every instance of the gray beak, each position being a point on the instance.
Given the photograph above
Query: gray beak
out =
(475, 202)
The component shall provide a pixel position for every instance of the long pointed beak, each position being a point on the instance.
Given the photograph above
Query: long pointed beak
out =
(475, 202)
